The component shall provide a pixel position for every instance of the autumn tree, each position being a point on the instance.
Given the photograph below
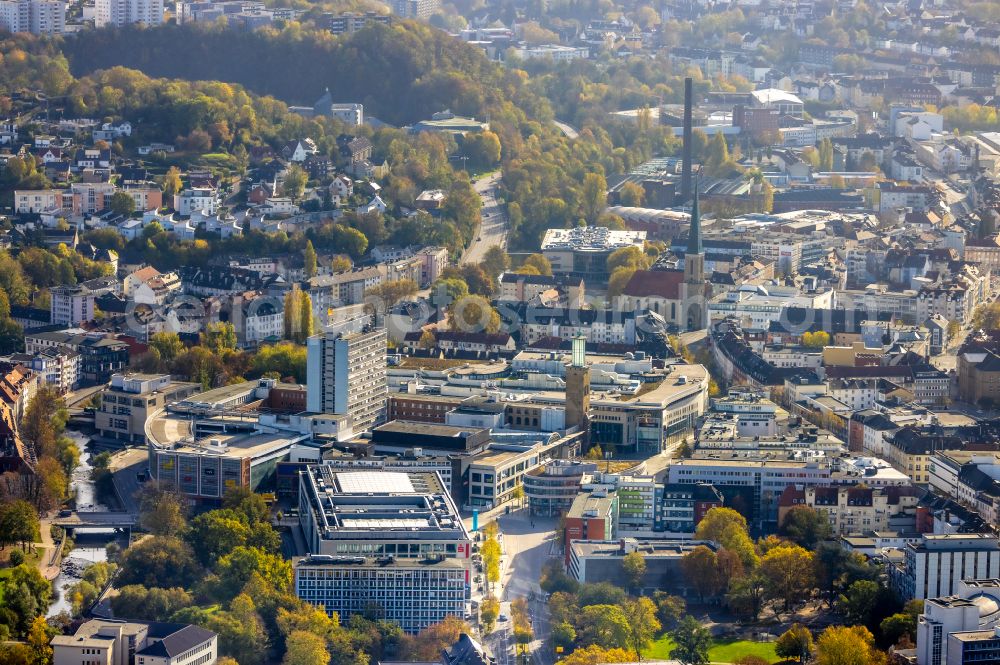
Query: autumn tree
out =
(816, 340)
(387, 295)
(847, 645)
(489, 611)
(700, 567)
(304, 648)
(789, 572)
(171, 183)
(632, 194)
(495, 261)
(162, 511)
(428, 643)
(219, 337)
(631, 257)
(796, 642)
(309, 260)
(728, 528)
(473, 314)
(538, 263)
(594, 196)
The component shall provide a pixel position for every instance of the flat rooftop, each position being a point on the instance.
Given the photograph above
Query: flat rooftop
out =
(238, 446)
(665, 549)
(425, 429)
(334, 561)
(392, 504)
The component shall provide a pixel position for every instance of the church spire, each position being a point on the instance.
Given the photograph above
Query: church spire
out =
(694, 235)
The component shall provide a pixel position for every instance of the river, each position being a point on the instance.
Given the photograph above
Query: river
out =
(88, 547)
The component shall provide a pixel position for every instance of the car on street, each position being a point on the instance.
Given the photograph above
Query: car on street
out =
(502, 618)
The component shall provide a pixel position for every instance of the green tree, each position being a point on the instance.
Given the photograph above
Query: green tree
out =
(482, 148)
(669, 609)
(309, 259)
(632, 194)
(747, 595)
(236, 568)
(149, 603)
(18, 524)
(594, 197)
(806, 526)
(167, 344)
(693, 641)
(634, 566)
(826, 155)
(796, 642)
(294, 183)
(859, 601)
(122, 203)
(159, 561)
(894, 627)
(603, 625)
(219, 337)
(303, 648)
(216, 533)
(718, 154)
(642, 622)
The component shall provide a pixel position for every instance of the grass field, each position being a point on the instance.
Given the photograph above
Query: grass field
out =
(722, 651)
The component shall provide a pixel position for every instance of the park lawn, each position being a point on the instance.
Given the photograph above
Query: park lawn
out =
(722, 651)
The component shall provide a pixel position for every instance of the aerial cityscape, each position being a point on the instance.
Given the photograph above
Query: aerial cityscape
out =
(499, 332)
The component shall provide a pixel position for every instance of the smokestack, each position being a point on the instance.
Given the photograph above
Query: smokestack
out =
(686, 152)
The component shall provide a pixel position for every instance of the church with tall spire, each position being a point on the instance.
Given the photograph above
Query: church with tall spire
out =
(679, 296)
(694, 272)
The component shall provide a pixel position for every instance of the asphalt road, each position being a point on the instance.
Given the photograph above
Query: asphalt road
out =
(493, 229)
(526, 549)
(566, 129)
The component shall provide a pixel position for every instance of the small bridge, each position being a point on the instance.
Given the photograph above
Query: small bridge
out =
(97, 520)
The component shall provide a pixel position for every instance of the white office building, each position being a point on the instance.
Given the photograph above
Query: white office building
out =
(39, 17)
(936, 566)
(125, 12)
(380, 538)
(959, 629)
(345, 375)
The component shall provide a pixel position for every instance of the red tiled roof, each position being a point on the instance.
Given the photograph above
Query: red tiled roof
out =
(658, 283)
